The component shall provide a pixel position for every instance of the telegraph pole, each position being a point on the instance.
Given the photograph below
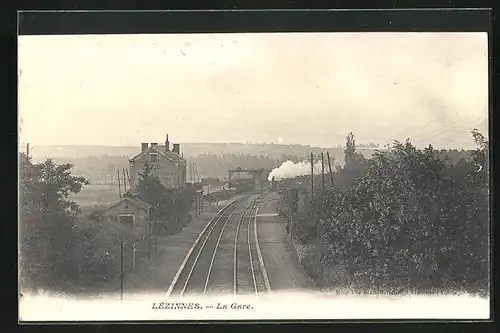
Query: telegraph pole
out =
(124, 181)
(119, 186)
(330, 167)
(128, 178)
(197, 173)
(133, 254)
(148, 239)
(199, 202)
(176, 208)
(156, 231)
(196, 203)
(121, 271)
(28, 150)
(312, 176)
(322, 175)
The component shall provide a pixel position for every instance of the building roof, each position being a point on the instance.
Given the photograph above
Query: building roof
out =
(134, 201)
(131, 194)
(161, 150)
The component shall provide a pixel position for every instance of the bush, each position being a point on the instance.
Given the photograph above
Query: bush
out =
(59, 252)
(410, 221)
(97, 253)
(169, 206)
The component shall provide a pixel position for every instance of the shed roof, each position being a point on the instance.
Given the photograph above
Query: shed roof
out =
(133, 201)
(131, 194)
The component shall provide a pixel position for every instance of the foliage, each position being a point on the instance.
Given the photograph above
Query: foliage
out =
(170, 206)
(354, 167)
(407, 220)
(151, 190)
(96, 254)
(47, 185)
(480, 158)
(59, 251)
(47, 221)
(350, 149)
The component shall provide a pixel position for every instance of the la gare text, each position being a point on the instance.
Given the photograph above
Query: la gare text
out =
(198, 306)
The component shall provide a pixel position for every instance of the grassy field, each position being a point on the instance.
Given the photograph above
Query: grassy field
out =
(96, 195)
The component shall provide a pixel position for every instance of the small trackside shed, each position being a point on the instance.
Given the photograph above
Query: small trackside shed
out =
(134, 214)
(130, 211)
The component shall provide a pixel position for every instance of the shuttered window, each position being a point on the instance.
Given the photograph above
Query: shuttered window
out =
(127, 220)
(153, 158)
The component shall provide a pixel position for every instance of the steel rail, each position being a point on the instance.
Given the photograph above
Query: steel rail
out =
(216, 218)
(250, 253)
(215, 251)
(235, 251)
(201, 250)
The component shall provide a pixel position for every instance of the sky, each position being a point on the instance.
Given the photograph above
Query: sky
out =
(307, 88)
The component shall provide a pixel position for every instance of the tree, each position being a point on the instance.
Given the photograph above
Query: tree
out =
(47, 185)
(480, 158)
(47, 221)
(152, 191)
(410, 221)
(149, 186)
(168, 205)
(350, 149)
(354, 167)
(350, 155)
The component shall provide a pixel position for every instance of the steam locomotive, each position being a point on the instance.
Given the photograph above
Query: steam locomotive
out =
(288, 195)
(243, 185)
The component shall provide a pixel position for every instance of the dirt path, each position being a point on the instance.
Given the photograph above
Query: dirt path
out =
(282, 266)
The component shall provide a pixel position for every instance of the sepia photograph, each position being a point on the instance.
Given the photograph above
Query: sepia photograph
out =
(254, 176)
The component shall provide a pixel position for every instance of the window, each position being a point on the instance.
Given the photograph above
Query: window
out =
(126, 219)
(153, 158)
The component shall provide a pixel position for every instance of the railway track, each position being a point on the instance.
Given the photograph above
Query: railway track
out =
(248, 275)
(228, 243)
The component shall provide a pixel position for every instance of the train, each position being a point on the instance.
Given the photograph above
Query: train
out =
(288, 194)
(283, 184)
(243, 185)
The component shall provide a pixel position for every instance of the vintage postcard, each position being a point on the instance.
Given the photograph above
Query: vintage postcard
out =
(242, 176)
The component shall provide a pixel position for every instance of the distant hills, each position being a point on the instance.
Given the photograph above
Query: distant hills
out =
(188, 149)
(100, 164)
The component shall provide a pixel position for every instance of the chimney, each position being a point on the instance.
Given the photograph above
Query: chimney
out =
(167, 144)
(144, 146)
(177, 149)
(154, 144)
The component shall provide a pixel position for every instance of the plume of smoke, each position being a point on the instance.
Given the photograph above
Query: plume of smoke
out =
(289, 169)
